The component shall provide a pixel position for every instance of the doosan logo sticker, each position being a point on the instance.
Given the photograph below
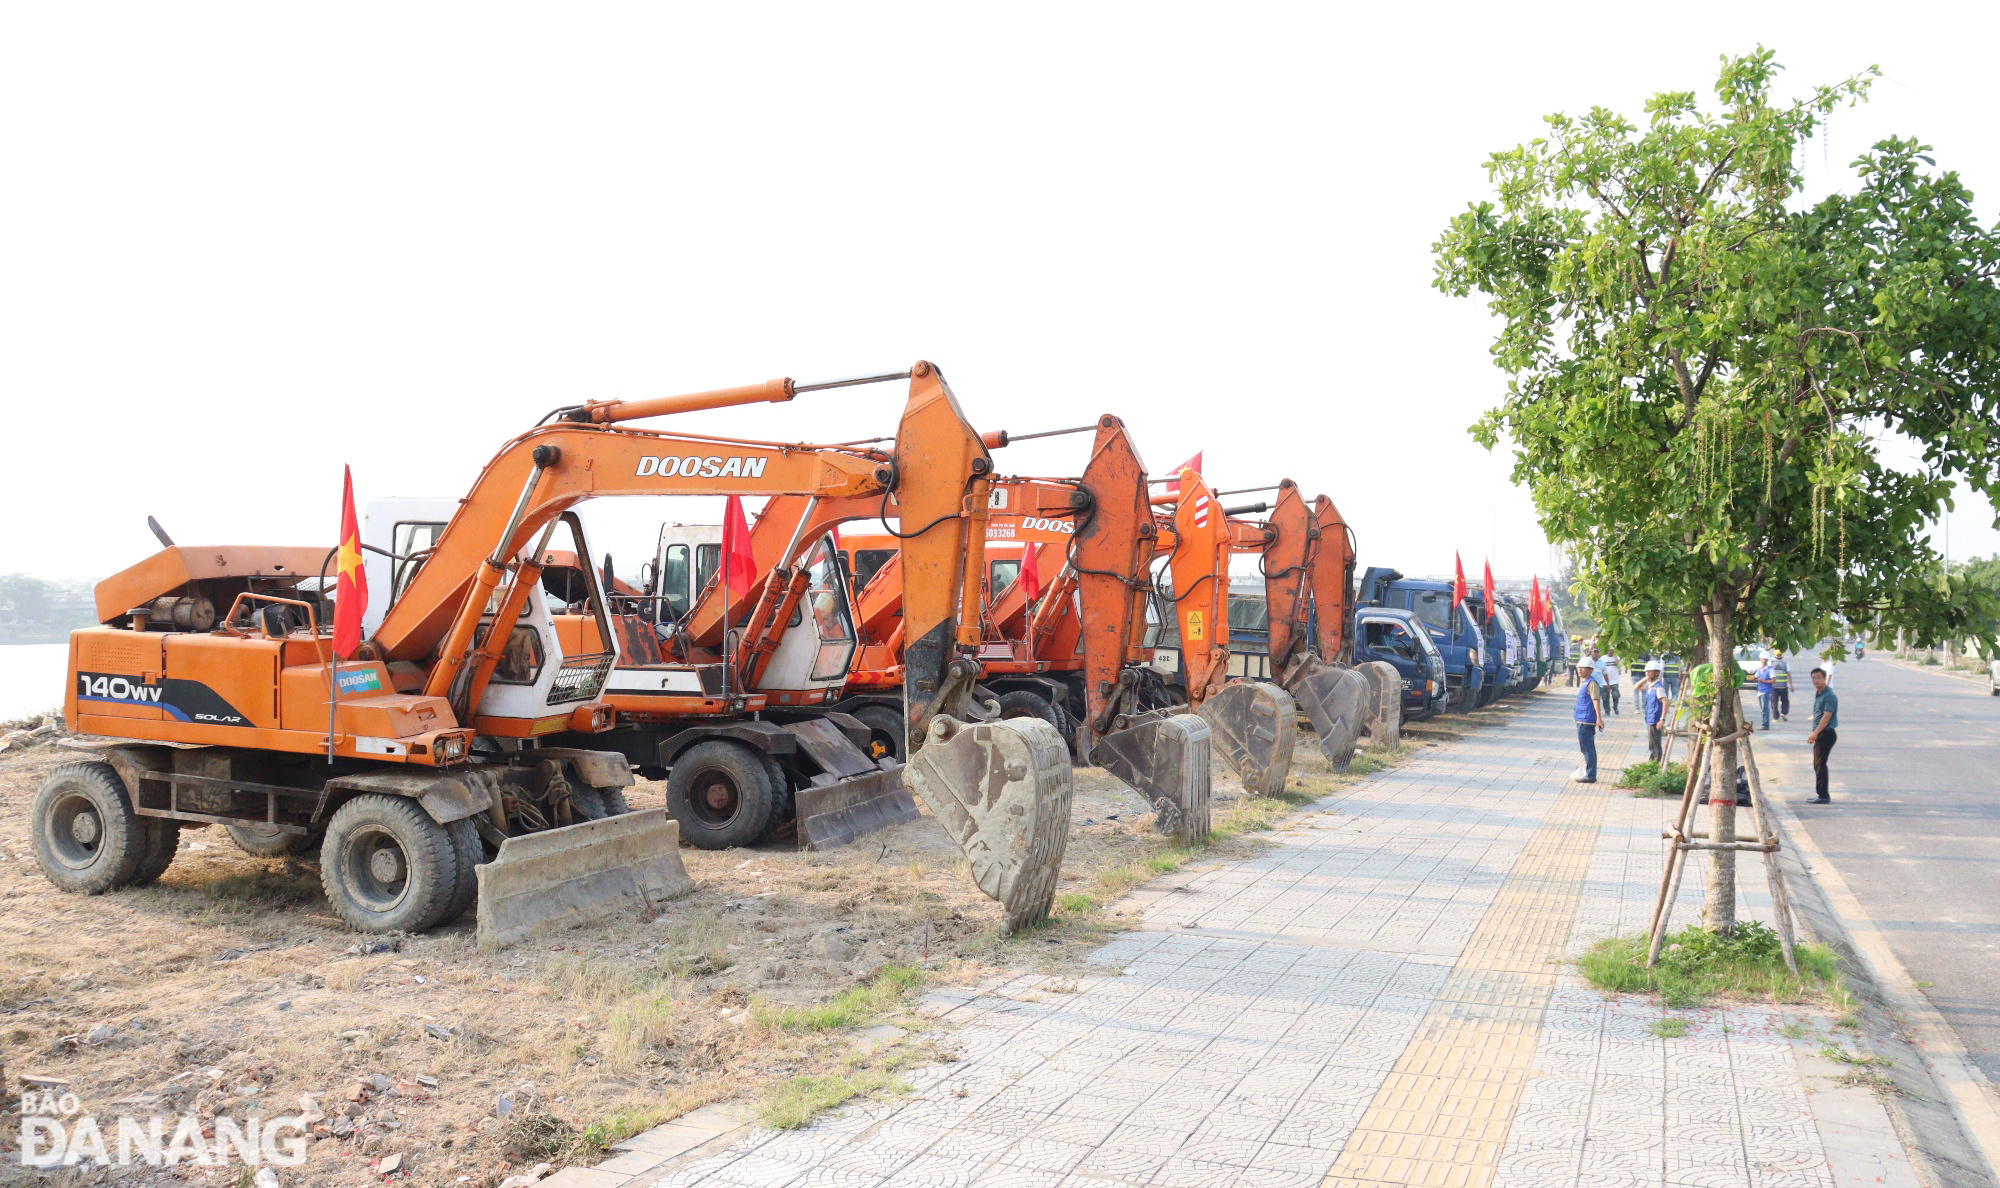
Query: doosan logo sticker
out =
(714, 466)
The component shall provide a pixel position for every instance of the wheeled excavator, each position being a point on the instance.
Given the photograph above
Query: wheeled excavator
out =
(421, 763)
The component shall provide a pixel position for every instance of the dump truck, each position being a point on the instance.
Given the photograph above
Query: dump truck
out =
(421, 765)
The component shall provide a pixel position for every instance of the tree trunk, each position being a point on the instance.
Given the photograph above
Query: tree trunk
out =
(1722, 773)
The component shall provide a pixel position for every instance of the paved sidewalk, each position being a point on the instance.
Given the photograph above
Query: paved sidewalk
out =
(1380, 998)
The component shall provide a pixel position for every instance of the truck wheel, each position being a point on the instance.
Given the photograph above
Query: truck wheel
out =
(163, 841)
(721, 794)
(262, 841)
(885, 732)
(386, 866)
(470, 852)
(84, 832)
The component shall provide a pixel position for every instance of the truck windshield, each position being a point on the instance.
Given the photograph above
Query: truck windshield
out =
(1434, 608)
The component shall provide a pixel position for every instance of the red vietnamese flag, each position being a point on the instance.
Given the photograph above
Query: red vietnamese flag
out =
(1458, 586)
(350, 591)
(1492, 610)
(1535, 603)
(1031, 577)
(739, 563)
(1194, 464)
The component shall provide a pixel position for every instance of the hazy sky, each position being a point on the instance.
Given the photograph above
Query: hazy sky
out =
(243, 244)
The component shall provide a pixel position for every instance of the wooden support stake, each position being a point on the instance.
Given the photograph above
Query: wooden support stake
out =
(1670, 879)
(1781, 907)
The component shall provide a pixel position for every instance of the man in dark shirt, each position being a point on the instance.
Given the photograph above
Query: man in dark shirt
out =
(1824, 732)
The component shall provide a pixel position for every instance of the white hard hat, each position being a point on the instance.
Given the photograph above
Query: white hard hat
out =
(1652, 666)
(1586, 662)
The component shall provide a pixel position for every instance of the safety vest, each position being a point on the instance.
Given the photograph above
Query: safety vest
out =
(1586, 713)
(1671, 666)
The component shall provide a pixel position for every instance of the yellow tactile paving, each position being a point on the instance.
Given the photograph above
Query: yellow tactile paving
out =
(1441, 1118)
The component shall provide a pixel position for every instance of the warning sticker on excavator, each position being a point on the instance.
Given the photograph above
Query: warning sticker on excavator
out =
(1193, 625)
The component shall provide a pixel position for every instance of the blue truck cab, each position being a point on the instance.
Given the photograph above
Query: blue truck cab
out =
(1457, 637)
(1399, 638)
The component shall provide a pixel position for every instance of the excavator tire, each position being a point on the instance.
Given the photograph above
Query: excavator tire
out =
(84, 833)
(1164, 756)
(721, 794)
(386, 866)
(1002, 790)
(885, 732)
(163, 841)
(262, 841)
(1023, 704)
(1254, 724)
(470, 851)
(587, 803)
(782, 809)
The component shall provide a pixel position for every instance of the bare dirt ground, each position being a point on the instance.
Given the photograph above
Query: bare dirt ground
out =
(229, 988)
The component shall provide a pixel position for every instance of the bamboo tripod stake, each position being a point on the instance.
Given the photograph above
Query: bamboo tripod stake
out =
(1702, 759)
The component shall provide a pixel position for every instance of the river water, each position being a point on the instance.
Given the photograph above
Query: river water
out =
(31, 678)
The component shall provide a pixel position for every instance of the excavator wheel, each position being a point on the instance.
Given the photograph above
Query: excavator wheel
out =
(163, 841)
(83, 830)
(782, 809)
(587, 803)
(1002, 790)
(386, 866)
(721, 794)
(470, 851)
(262, 841)
(1023, 704)
(885, 732)
(1254, 724)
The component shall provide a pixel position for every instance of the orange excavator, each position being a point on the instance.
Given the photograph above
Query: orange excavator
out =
(421, 765)
(1106, 523)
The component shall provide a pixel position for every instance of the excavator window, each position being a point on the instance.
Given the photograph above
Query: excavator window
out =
(675, 589)
(866, 562)
(1001, 574)
(410, 537)
(521, 663)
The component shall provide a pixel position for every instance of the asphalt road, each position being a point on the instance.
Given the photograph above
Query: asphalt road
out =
(1914, 827)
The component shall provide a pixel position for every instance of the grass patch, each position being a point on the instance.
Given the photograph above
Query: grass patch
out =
(1852, 1058)
(1793, 1031)
(795, 1103)
(604, 1133)
(1649, 781)
(856, 1006)
(1697, 966)
(1668, 1028)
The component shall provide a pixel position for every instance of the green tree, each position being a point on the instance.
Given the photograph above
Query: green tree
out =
(1702, 368)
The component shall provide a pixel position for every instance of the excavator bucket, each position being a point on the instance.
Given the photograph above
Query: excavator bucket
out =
(1002, 789)
(1164, 756)
(1254, 724)
(560, 878)
(1382, 716)
(1335, 700)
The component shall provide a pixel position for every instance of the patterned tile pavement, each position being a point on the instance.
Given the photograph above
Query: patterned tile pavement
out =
(1379, 998)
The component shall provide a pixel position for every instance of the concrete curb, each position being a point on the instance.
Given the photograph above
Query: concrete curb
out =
(1947, 1116)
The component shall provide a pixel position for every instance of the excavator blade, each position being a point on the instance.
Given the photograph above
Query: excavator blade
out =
(853, 795)
(1002, 789)
(560, 878)
(1164, 756)
(1254, 724)
(1334, 700)
(835, 813)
